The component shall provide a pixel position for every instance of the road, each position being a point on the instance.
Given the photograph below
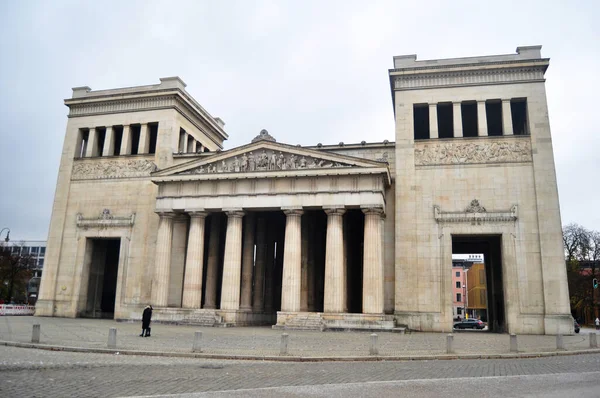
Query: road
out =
(35, 373)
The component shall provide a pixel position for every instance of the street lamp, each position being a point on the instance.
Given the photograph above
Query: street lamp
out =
(7, 234)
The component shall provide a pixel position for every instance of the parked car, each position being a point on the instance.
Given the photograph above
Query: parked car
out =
(576, 325)
(469, 324)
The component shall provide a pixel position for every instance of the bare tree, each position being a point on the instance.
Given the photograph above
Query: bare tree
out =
(16, 268)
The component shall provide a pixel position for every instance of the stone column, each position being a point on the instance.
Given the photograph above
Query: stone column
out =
(259, 269)
(247, 262)
(109, 142)
(372, 301)
(232, 262)
(507, 127)
(433, 122)
(305, 265)
(335, 282)
(184, 145)
(212, 269)
(144, 144)
(194, 142)
(481, 119)
(162, 260)
(269, 269)
(126, 141)
(457, 119)
(192, 283)
(92, 145)
(292, 262)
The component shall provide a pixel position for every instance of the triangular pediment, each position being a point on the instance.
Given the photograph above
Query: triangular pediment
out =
(265, 156)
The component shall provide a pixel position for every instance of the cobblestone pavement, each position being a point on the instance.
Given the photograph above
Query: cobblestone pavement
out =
(36, 373)
(264, 341)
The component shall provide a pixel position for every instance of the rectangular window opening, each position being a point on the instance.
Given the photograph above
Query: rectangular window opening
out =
(135, 138)
(445, 120)
(101, 133)
(84, 136)
(182, 134)
(458, 284)
(118, 134)
(469, 118)
(458, 297)
(493, 112)
(153, 128)
(421, 121)
(518, 110)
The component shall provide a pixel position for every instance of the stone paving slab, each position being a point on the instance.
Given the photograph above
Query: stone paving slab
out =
(264, 341)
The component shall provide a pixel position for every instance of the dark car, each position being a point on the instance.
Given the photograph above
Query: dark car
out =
(576, 325)
(469, 324)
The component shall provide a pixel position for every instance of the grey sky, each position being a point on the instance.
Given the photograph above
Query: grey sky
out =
(307, 71)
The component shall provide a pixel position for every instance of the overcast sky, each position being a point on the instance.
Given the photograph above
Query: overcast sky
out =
(307, 71)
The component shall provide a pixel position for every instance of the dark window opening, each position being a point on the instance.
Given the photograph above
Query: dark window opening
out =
(101, 133)
(182, 134)
(445, 120)
(493, 111)
(458, 297)
(206, 149)
(118, 133)
(135, 138)
(84, 136)
(457, 283)
(518, 110)
(153, 128)
(469, 119)
(421, 121)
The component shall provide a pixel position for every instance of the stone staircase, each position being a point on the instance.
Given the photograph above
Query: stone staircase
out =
(208, 319)
(305, 321)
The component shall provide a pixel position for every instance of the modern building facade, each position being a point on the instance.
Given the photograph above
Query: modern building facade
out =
(149, 208)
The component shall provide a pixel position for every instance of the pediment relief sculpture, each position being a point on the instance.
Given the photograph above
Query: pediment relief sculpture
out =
(264, 160)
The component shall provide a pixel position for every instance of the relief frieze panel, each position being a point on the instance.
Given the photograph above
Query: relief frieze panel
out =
(91, 169)
(472, 152)
(264, 160)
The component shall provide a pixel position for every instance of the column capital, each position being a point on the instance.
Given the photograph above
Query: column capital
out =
(373, 210)
(456, 102)
(126, 126)
(166, 213)
(234, 213)
(432, 104)
(481, 101)
(506, 100)
(196, 213)
(292, 211)
(109, 127)
(334, 210)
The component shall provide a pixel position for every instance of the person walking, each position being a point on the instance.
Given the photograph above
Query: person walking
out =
(597, 322)
(146, 318)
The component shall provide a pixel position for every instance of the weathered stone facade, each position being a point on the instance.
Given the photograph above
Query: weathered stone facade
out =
(150, 209)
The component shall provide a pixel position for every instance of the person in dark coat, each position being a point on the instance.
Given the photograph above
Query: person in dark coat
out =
(146, 318)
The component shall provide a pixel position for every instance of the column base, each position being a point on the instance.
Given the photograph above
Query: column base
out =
(324, 321)
(44, 308)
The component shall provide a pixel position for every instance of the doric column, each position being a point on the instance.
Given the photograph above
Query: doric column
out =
(305, 264)
(269, 269)
(433, 122)
(259, 268)
(372, 300)
(247, 261)
(126, 141)
(292, 262)
(162, 260)
(457, 119)
(212, 268)
(232, 262)
(335, 281)
(194, 142)
(507, 127)
(481, 119)
(92, 145)
(192, 283)
(144, 144)
(109, 142)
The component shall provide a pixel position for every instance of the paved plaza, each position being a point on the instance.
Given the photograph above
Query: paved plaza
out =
(265, 342)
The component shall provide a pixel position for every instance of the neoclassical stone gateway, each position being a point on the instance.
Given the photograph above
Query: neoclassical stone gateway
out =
(149, 208)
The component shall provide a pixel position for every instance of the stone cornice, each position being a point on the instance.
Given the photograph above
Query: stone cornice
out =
(467, 77)
(475, 214)
(105, 220)
(543, 62)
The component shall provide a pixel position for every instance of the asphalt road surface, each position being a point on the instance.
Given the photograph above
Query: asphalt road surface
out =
(37, 373)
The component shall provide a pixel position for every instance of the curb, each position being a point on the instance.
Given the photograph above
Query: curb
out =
(374, 358)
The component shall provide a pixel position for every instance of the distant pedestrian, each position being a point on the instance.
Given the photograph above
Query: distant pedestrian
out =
(146, 318)
(597, 322)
